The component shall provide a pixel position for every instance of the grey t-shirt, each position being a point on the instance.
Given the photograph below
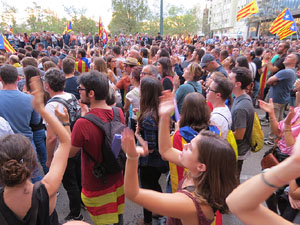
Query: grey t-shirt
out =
(281, 91)
(243, 117)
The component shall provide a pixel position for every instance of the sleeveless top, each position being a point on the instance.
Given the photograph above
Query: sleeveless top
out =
(202, 220)
(43, 217)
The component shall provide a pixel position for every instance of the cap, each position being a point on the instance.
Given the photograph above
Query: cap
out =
(206, 59)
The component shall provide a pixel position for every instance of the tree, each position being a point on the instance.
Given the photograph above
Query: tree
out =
(128, 15)
(7, 16)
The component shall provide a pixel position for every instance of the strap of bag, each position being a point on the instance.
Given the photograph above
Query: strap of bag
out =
(34, 204)
(2, 219)
(193, 87)
(223, 117)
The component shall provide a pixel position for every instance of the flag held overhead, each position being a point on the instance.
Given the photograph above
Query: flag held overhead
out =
(247, 10)
(284, 20)
(287, 31)
(4, 44)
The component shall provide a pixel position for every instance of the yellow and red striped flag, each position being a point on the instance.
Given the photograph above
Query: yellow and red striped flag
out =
(247, 10)
(68, 28)
(4, 44)
(100, 29)
(11, 29)
(284, 19)
(287, 31)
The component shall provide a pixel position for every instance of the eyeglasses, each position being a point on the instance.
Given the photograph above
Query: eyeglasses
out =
(80, 89)
(113, 61)
(209, 89)
(144, 73)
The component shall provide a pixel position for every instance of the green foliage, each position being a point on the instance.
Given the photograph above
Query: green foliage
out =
(128, 15)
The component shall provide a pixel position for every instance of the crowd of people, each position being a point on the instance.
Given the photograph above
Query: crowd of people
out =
(183, 106)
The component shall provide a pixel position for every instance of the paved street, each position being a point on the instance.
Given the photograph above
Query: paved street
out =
(133, 212)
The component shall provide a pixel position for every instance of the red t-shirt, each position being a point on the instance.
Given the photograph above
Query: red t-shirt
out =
(86, 134)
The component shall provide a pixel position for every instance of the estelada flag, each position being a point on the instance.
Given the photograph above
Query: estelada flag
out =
(11, 29)
(283, 20)
(100, 29)
(247, 10)
(68, 28)
(285, 32)
(4, 44)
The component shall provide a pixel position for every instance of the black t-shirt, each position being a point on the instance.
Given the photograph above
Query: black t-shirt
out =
(43, 217)
(279, 63)
(258, 64)
(167, 84)
(71, 86)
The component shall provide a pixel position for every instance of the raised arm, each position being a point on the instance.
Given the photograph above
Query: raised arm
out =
(256, 190)
(53, 178)
(166, 108)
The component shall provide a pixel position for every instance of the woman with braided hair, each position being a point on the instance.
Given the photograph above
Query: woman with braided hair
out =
(21, 202)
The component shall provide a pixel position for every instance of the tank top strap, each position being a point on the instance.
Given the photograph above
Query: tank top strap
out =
(201, 217)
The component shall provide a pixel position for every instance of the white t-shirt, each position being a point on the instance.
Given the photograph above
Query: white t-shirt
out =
(252, 67)
(134, 97)
(5, 127)
(223, 121)
(50, 107)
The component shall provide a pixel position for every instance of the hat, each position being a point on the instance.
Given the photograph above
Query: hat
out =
(206, 59)
(131, 61)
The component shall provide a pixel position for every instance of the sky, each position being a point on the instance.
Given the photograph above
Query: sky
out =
(95, 8)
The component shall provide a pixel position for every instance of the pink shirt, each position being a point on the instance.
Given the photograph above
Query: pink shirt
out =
(295, 131)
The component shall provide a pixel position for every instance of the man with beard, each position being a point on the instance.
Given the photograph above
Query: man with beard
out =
(103, 197)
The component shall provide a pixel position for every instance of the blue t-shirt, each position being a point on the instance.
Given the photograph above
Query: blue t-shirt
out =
(281, 91)
(184, 89)
(16, 108)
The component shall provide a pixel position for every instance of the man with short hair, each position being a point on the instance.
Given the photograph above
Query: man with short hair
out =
(149, 70)
(54, 84)
(242, 112)
(209, 63)
(235, 53)
(281, 85)
(16, 108)
(217, 93)
(258, 62)
(189, 50)
(216, 53)
(83, 64)
(94, 89)
(68, 66)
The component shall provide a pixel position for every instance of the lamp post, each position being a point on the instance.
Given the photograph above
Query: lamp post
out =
(161, 18)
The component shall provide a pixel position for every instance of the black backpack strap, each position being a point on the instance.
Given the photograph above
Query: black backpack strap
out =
(99, 123)
(34, 204)
(2, 219)
(193, 87)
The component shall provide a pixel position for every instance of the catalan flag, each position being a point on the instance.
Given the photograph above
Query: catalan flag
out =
(68, 28)
(4, 44)
(101, 27)
(11, 29)
(247, 10)
(284, 19)
(287, 31)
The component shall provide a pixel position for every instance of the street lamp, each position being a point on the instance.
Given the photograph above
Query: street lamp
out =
(161, 18)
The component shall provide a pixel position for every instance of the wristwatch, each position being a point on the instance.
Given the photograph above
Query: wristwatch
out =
(66, 124)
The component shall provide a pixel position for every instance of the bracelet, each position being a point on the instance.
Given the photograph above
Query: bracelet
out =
(287, 130)
(265, 181)
(132, 158)
(66, 124)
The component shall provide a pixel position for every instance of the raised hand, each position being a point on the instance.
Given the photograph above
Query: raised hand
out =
(290, 116)
(267, 107)
(63, 117)
(128, 144)
(167, 105)
(37, 92)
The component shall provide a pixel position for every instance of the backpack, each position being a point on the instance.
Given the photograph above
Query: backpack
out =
(257, 136)
(113, 161)
(71, 105)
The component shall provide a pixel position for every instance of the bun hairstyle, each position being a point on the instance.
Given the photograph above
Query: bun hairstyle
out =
(17, 160)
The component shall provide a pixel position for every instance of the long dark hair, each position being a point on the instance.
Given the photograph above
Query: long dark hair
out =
(195, 112)
(242, 62)
(219, 179)
(166, 67)
(149, 101)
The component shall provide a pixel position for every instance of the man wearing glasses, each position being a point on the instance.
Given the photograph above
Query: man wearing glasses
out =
(149, 70)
